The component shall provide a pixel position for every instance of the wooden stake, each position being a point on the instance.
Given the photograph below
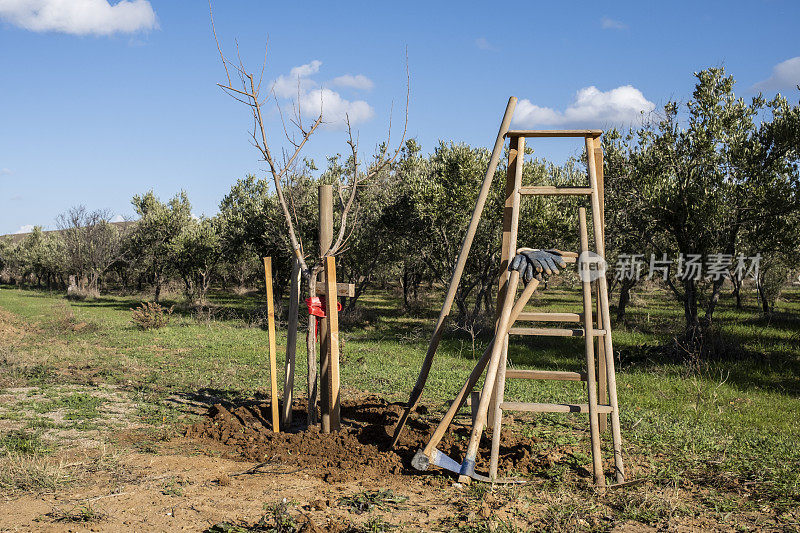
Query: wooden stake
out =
(273, 370)
(325, 240)
(333, 407)
(416, 392)
(291, 346)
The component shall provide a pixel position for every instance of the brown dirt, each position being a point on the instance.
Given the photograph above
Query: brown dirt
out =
(360, 450)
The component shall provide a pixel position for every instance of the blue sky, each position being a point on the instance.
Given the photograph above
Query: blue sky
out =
(105, 102)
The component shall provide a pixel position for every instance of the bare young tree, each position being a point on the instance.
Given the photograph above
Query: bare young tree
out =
(92, 245)
(245, 86)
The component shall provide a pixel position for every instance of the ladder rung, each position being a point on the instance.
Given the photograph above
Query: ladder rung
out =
(552, 407)
(550, 317)
(548, 190)
(557, 375)
(547, 332)
(554, 133)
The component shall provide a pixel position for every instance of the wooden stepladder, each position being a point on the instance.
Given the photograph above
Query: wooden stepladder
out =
(594, 324)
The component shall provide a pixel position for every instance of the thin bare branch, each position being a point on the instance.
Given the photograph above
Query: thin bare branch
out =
(219, 48)
(263, 65)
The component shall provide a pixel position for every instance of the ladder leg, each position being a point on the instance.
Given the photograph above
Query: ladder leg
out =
(597, 218)
(468, 465)
(602, 369)
(591, 385)
(616, 434)
(516, 162)
(499, 392)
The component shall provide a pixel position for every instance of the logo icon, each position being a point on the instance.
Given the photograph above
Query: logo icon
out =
(591, 266)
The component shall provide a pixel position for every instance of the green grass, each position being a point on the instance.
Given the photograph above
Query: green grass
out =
(723, 431)
(23, 442)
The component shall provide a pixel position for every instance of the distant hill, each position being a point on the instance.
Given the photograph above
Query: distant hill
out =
(16, 237)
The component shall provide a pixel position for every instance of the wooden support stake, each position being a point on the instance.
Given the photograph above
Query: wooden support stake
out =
(291, 346)
(333, 407)
(325, 241)
(273, 370)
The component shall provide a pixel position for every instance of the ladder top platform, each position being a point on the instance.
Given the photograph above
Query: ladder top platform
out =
(554, 133)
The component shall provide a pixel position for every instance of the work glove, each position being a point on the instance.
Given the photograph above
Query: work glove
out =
(534, 263)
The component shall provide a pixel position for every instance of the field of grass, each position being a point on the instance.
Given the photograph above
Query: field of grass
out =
(712, 440)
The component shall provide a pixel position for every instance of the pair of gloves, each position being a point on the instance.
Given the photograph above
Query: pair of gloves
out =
(534, 263)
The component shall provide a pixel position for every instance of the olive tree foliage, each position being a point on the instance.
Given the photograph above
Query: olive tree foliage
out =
(704, 184)
(433, 209)
(92, 244)
(774, 157)
(401, 227)
(195, 252)
(152, 241)
(252, 226)
(38, 257)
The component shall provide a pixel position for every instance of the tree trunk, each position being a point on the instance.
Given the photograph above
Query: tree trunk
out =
(157, 281)
(405, 283)
(625, 287)
(765, 307)
(737, 291)
(693, 329)
(712, 303)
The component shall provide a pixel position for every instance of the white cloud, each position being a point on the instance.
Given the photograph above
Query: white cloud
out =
(79, 17)
(118, 218)
(359, 81)
(607, 23)
(298, 85)
(334, 108)
(5, 171)
(484, 44)
(287, 86)
(27, 228)
(591, 107)
(304, 71)
(785, 75)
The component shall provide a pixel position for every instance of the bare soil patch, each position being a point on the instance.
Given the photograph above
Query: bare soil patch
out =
(361, 449)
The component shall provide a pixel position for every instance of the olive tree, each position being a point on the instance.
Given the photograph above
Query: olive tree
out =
(696, 186)
(153, 237)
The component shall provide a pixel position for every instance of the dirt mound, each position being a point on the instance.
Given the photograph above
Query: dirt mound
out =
(360, 450)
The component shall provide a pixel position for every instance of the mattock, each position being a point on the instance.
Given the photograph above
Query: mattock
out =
(494, 359)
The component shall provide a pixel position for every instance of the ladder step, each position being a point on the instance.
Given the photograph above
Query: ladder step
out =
(554, 332)
(550, 317)
(552, 407)
(554, 133)
(548, 190)
(547, 332)
(557, 375)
